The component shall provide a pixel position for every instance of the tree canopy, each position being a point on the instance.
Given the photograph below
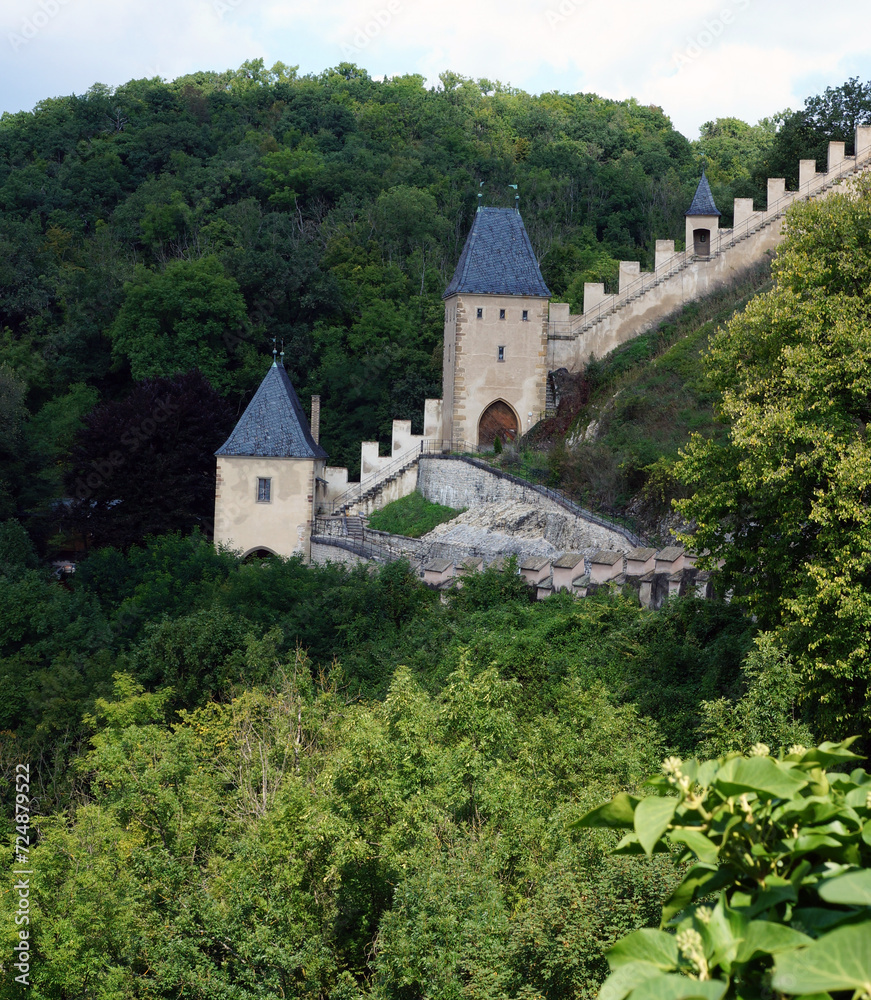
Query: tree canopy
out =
(144, 464)
(785, 500)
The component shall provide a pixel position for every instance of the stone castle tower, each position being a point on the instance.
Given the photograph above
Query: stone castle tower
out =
(269, 472)
(495, 350)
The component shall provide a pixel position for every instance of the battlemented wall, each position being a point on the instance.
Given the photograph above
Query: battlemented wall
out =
(644, 299)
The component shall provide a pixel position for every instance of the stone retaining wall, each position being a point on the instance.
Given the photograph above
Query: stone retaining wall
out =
(463, 482)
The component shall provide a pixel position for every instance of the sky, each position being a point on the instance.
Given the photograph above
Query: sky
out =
(697, 61)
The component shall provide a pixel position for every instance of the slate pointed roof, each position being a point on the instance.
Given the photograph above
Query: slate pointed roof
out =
(498, 258)
(703, 202)
(273, 424)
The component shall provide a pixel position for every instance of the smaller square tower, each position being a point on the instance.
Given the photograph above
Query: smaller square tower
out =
(495, 348)
(702, 221)
(268, 473)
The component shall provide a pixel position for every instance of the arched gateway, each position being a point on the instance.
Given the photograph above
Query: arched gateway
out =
(498, 420)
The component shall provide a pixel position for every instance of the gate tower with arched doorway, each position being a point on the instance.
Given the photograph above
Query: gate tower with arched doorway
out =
(495, 348)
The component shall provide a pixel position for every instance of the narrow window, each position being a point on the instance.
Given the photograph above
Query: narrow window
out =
(525, 315)
(264, 491)
(501, 356)
(480, 314)
(501, 314)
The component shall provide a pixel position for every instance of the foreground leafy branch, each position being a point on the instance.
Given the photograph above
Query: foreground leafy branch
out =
(777, 896)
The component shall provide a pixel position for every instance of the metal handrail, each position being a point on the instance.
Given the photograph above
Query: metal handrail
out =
(459, 451)
(356, 490)
(725, 239)
(555, 495)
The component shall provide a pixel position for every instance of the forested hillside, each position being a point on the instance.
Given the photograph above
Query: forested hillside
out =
(385, 815)
(257, 780)
(169, 225)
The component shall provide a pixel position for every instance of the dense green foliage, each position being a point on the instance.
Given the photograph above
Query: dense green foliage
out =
(161, 225)
(386, 813)
(265, 779)
(778, 895)
(784, 499)
(411, 516)
(805, 134)
(166, 225)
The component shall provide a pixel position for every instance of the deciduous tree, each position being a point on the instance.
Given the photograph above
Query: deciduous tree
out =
(785, 501)
(145, 465)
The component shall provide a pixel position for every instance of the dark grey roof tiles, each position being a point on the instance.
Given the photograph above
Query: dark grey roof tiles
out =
(273, 424)
(498, 258)
(703, 202)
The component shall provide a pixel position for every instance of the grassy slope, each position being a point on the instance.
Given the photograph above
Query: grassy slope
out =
(644, 401)
(411, 516)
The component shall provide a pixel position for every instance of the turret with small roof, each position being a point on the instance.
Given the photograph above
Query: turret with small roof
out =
(703, 202)
(269, 472)
(273, 424)
(702, 221)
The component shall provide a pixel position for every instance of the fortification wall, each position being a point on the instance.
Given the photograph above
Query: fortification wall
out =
(700, 278)
(645, 299)
(459, 484)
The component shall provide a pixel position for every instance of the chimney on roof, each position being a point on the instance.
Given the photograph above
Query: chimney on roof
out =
(316, 419)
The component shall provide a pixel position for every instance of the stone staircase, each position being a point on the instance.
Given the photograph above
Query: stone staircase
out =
(354, 527)
(359, 494)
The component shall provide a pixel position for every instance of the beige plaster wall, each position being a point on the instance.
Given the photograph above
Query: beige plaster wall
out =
(709, 222)
(697, 279)
(284, 525)
(474, 377)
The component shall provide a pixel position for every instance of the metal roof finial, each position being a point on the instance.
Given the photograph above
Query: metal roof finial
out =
(480, 195)
(274, 352)
(516, 198)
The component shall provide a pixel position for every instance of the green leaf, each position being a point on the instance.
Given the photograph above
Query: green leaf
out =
(723, 931)
(768, 938)
(647, 945)
(623, 980)
(703, 847)
(616, 813)
(676, 987)
(629, 845)
(777, 890)
(701, 880)
(853, 889)
(831, 753)
(841, 960)
(652, 816)
(817, 920)
(762, 775)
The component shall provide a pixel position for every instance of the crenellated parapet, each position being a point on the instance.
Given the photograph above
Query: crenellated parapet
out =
(714, 257)
(654, 575)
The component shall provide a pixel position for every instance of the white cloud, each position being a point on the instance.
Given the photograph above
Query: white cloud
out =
(747, 58)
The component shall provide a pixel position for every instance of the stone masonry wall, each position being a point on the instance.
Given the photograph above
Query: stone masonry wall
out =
(462, 483)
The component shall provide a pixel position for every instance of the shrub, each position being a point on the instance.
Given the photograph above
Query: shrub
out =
(778, 887)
